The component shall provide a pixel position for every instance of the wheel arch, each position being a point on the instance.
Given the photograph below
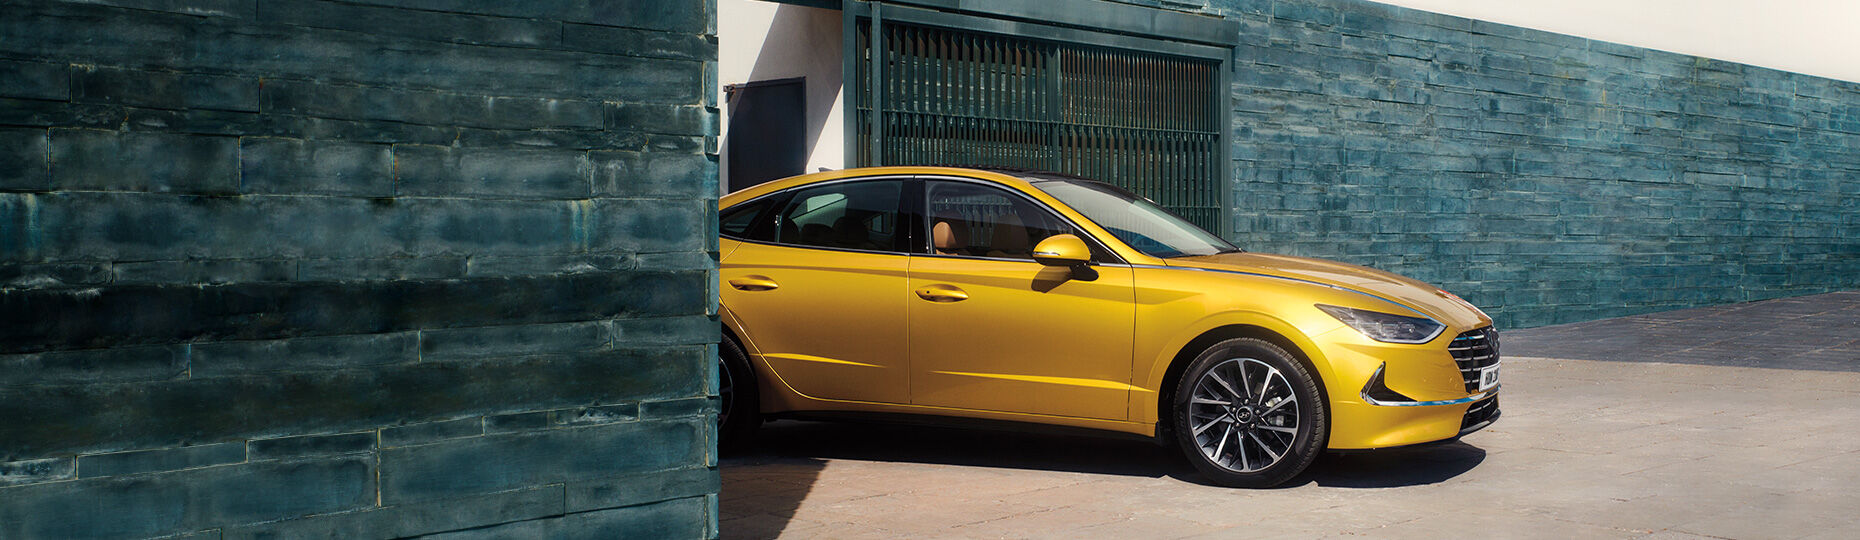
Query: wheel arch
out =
(732, 329)
(730, 334)
(1165, 393)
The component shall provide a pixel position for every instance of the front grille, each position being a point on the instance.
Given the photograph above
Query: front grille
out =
(1485, 410)
(1473, 350)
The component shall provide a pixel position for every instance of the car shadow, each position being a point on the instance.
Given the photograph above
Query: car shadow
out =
(764, 484)
(1395, 467)
(791, 440)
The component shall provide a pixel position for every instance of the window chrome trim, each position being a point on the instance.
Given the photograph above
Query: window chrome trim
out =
(823, 183)
(975, 258)
(821, 248)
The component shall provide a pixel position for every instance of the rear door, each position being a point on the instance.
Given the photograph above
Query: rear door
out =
(819, 284)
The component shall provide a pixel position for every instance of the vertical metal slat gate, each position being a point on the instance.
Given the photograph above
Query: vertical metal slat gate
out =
(1144, 121)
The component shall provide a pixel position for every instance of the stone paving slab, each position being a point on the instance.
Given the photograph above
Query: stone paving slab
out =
(1645, 449)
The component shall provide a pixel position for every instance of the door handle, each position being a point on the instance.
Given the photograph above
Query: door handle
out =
(942, 293)
(754, 283)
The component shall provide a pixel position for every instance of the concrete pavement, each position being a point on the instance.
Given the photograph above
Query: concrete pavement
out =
(1738, 421)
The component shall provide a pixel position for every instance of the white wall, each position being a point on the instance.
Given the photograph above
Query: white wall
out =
(1816, 37)
(759, 41)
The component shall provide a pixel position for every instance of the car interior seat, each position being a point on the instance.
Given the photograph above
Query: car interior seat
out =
(950, 235)
(849, 232)
(817, 234)
(787, 233)
(1010, 238)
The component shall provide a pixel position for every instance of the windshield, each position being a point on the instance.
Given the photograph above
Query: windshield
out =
(1138, 222)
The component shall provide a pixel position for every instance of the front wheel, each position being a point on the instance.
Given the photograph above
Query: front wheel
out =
(1247, 414)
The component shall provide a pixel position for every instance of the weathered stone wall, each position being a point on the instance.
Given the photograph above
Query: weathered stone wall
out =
(372, 268)
(1545, 177)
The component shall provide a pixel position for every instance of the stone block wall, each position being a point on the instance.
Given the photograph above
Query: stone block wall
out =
(1545, 177)
(358, 269)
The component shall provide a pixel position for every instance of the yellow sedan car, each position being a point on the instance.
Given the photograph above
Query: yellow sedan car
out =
(1040, 298)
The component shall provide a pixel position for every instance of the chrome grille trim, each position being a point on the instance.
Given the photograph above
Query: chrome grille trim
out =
(1473, 350)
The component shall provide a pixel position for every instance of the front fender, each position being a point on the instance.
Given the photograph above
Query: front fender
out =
(1178, 306)
(1144, 405)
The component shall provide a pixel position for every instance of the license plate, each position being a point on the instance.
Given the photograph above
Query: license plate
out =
(1488, 377)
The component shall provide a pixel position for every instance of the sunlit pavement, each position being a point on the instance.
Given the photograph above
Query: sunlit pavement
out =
(1737, 421)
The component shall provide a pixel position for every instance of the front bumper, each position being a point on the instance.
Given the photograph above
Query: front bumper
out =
(1386, 395)
(1361, 426)
(1479, 415)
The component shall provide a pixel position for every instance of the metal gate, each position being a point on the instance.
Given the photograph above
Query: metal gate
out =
(1144, 121)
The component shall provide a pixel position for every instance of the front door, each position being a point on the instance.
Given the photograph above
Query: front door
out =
(991, 329)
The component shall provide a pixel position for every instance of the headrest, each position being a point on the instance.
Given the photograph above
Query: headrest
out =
(947, 236)
(1009, 235)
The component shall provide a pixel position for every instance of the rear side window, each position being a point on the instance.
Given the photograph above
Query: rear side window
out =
(748, 221)
(849, 215)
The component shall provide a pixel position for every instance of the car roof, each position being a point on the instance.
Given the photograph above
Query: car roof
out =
(1004, 178)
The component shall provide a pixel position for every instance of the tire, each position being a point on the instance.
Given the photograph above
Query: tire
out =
(1249, 438)
(739, 408)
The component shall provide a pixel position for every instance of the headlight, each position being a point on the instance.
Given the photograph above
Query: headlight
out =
(1386, 327)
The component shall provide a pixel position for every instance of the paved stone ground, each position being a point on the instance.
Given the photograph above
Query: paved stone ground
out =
(1737, 421)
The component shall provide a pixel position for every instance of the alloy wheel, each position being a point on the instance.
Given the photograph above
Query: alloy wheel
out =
(1244, 415)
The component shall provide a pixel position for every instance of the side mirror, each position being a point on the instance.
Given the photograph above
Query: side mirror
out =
(1062, 250)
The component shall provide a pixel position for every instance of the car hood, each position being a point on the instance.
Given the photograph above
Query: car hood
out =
(1414, 294)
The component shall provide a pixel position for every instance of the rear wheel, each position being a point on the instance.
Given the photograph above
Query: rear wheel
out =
(1247, 414)
(738, 411)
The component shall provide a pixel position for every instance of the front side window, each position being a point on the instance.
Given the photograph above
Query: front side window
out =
(979, 221)
(848, 215)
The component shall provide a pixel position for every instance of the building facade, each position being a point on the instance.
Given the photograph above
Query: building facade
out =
(377, 269)
(1545, 177)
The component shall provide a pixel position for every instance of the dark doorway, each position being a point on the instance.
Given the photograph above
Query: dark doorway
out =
(768, 131)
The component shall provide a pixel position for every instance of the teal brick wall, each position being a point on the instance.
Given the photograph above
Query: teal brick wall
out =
(357, 269)
(1545, 177)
